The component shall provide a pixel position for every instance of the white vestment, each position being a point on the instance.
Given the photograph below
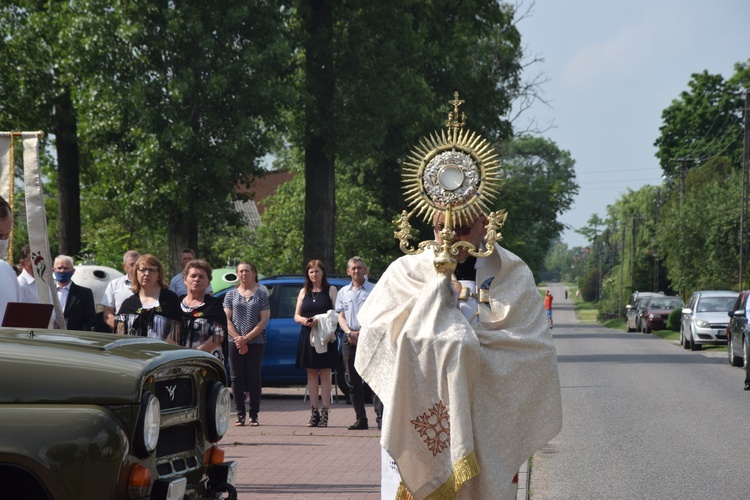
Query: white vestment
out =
(465, 405)
(8, 286)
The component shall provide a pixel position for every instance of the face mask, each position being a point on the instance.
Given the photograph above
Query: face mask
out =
(63, 277)
(4, 249)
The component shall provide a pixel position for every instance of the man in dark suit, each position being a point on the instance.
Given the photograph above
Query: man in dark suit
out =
(77, 301)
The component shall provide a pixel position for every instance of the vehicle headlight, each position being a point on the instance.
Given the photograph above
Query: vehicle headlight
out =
(147, 430)
(218, 407)
(650, 316)
(702, 323)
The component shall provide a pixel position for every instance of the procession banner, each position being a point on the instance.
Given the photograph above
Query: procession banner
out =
(36, 219)
(6, 176)
(5, 141)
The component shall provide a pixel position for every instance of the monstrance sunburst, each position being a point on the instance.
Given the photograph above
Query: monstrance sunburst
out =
(456, 172)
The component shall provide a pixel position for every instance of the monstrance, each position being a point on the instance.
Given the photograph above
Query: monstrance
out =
(455, 172)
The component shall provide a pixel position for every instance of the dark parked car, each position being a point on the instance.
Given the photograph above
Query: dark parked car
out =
(656, 311)
(738, 332)
(635, 308)
(704, 320)
(87, 415)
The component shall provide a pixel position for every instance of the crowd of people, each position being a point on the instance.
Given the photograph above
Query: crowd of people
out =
(434, 348)
(185, 313)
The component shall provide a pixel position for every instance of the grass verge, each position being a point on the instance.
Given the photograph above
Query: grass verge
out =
(586, 312)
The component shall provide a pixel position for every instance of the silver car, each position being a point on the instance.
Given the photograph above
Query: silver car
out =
(705, 319)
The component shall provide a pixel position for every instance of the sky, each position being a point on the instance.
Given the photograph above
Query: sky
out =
(612, 67)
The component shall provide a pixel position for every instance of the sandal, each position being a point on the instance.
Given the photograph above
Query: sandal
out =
(323, 417)
(254, 422)
(240, 422)
(314, 418)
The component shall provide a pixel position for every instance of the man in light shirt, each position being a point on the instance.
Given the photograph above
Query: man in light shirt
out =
(119, 289)
(177, 283)
(348, 303)
(26, 279)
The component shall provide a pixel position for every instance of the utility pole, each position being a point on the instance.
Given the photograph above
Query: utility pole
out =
(682, 162)
(632, 254)
(622, 268)
(683, 170)
(656, 248)
(745, 187)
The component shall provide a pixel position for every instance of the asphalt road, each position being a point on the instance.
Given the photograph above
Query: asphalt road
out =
(642, 419)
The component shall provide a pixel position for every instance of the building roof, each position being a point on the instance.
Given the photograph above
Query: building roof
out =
(260, 189)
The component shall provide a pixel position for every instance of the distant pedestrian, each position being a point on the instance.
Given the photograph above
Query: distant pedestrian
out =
(548, 306)
(577, 292)
(566, 294)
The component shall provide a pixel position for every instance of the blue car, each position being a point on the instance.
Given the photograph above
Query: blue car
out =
(282, 332)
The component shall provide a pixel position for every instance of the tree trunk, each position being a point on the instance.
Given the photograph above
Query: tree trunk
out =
(320, 151)
(183, 233)
(68, 169)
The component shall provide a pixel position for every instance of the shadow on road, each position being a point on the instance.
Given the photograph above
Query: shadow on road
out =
(579, 326)
(600, 335)
(682, 358)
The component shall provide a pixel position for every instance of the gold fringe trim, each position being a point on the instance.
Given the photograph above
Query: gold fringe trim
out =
(464, 469)
(403, 493)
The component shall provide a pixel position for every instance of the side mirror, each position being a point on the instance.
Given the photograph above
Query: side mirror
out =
(730, 314)
(686, 310)
(628, 307)
(740, 313)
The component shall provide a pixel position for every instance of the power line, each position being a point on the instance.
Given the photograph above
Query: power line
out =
(729, 143)
(705, 145)
(607, 181)
(607, 172)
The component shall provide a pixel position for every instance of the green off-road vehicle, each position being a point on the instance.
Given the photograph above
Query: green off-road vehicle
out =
(98, 416)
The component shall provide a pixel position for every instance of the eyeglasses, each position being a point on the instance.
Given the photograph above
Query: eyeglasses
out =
(460, 230)
(148, 270)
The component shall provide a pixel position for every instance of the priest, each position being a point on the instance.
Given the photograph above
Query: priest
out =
(465, 365)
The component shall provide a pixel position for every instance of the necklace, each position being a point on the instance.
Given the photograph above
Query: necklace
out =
(314, 295)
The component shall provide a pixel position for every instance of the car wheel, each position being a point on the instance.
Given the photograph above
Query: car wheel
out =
(683, 341)
(693, 345)
(734, 360)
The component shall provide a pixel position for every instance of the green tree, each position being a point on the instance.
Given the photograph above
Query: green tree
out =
(700, 231)
(183, 102)
(539, 185)
(395, 66)
(362, 229)
(39, 77)
(705, 121)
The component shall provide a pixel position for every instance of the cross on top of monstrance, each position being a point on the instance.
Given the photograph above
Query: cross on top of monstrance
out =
(455, 172)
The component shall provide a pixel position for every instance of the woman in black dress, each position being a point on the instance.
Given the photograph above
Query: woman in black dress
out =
(316, 297)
